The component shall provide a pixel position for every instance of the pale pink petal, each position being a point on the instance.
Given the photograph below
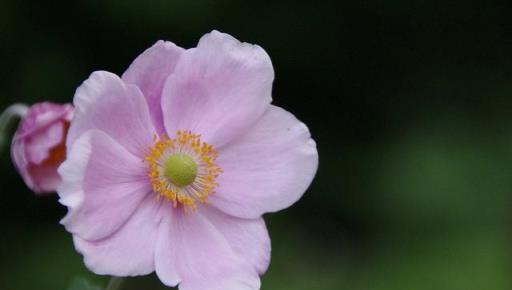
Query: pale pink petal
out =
(268, 169)
(19, 159)
(195, 250)
(130, 250)
(149, 72)
(237, 279)
(106, 103)
(248, 238)
(38, 146)
(42, 115)
(102, 185)
(166, 258)
(218, 89)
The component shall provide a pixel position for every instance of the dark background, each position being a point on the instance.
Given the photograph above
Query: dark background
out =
(409, 101)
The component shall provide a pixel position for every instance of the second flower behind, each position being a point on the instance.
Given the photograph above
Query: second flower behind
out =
(38, 147)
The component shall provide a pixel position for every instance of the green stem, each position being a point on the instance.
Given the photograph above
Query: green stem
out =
(13, 112)
(115, 283)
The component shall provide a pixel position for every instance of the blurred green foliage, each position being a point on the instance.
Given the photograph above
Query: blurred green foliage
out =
(410, 103)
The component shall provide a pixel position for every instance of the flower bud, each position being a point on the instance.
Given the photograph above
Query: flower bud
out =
(39, 145)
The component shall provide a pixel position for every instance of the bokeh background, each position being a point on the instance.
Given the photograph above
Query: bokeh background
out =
(410, 103)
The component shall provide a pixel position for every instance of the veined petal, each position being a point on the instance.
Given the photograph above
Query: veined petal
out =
(102, 185)
(130, 250)
(149, 72)
(104, 102)
(268, 169)
(218, 89)
(248, 238)
(238, 279)
(201, 252)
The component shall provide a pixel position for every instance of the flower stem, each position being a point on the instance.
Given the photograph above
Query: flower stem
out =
(13, 112)
(115, 283)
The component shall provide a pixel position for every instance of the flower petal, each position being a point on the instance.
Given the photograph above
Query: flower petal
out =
(248, 238)
(43, 178)
(200, 251)
(238, 279)
(218, 89)
(268, 169)
(106, 103)
(102, 185)
(130, 250)
(38, 149)
(149, 72)
(40, 116)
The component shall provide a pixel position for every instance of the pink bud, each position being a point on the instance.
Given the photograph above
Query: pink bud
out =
(38, 147)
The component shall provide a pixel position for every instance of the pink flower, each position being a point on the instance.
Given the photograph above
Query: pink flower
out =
(38, 147)
(172, 166)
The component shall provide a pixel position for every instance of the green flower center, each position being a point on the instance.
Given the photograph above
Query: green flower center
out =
(180, 169)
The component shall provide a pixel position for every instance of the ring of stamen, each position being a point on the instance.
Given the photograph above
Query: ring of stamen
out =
(183, 169)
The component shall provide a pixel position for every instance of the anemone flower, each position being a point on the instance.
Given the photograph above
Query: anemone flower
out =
(172, 166)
